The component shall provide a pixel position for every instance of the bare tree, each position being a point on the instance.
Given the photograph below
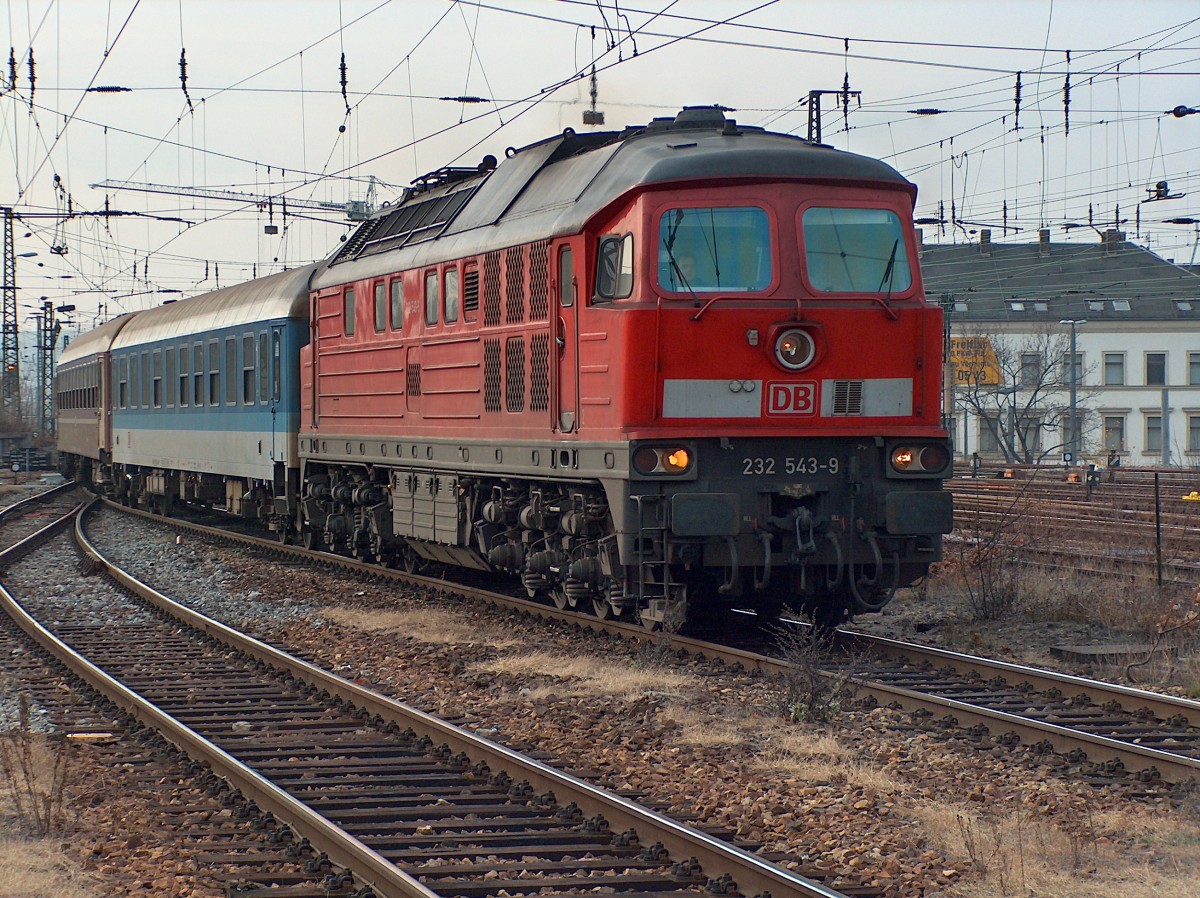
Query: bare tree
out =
(1016, 386)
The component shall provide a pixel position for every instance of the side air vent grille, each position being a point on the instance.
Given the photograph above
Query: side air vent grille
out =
(847, 397)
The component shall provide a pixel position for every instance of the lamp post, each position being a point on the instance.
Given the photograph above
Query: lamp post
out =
(1074, 431)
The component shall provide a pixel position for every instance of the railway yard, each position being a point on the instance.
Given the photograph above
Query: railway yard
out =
(1023, 785)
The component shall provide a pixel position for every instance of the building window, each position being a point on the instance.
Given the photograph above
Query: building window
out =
(1194, 369)
(1031, 369)
(1114, 369)
(1153, 433)
(1156, 369)
(1066, 369)
(989, 428)
(1114, 433)
(1193, 433)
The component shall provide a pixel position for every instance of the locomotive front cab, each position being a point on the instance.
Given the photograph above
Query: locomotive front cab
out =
(790, 449)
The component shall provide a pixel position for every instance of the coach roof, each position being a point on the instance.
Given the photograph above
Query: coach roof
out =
(94, 342)
(271, 298)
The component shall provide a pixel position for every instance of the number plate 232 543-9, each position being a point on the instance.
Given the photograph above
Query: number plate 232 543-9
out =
(766, 466)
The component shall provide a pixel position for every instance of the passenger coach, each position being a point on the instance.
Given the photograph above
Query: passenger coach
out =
(205, 399)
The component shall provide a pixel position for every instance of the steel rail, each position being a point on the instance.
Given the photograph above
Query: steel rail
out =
(1063, 739)
(46, 495)
(753, 874)
(383, 876)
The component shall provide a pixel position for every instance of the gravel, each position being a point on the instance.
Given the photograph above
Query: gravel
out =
(867, 798)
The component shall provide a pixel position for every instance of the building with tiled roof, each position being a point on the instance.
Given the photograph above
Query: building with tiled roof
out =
(1010, 309)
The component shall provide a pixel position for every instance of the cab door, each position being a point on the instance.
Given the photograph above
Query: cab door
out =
(566, 340)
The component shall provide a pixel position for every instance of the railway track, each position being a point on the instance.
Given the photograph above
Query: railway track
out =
(376, 798)
(1105, 531)
(1098, 728)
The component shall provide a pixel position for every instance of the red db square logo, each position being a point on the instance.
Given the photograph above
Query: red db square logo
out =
(792, 398)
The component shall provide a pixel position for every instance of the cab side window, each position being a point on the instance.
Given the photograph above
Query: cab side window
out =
(431, 298)
(614, 268)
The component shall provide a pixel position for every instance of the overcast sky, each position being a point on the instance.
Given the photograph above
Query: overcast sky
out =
(264, 113)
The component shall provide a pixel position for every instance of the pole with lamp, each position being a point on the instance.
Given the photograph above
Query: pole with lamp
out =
(1074, 439)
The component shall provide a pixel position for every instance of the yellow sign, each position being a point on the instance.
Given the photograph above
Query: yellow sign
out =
(974, 361)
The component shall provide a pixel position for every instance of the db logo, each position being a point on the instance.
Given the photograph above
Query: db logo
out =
(792, 398)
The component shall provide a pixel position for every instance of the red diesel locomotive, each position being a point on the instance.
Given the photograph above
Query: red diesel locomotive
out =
(688, 363)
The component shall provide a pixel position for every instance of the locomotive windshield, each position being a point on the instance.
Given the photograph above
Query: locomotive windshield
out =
(855, 251)
(726, 249)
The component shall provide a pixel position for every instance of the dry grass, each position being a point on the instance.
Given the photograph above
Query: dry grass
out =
(783, 751)
(1018, 853)
(816, 757)
(584, 675)
(37, 868)
(423, 625)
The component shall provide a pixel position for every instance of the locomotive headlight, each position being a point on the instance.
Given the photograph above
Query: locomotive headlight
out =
(649, 460)
(931, 459)
(795, 349)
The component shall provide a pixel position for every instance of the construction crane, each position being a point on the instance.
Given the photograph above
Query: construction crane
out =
(354, 210)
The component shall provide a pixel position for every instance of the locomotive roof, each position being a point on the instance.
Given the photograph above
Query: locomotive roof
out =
(558, 185)
(283, 295)
(94, 342)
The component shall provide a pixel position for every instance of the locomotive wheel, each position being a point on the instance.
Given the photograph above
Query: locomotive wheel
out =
(559, 598)
(283, 534)
(603, 609)
(312, 539)
(411, 561)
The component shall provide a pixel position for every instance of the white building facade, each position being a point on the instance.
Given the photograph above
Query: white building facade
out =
(1012, 313)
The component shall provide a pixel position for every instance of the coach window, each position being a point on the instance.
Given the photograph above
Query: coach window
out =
(348, 312)
(184, 376)
(718, 249)
(431, 298)
(198, 375)
(264, 361)
(248, 369)
(451, 294)
(397, 303)
(380, 306)
(566, 277)
(614, 268)
(146, 379)
(156, 390)
(855, 250)
(122, 382)
(214, 373)
(231, 371)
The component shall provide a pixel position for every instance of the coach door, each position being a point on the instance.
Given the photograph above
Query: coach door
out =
(566, 338)
(279, 423)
